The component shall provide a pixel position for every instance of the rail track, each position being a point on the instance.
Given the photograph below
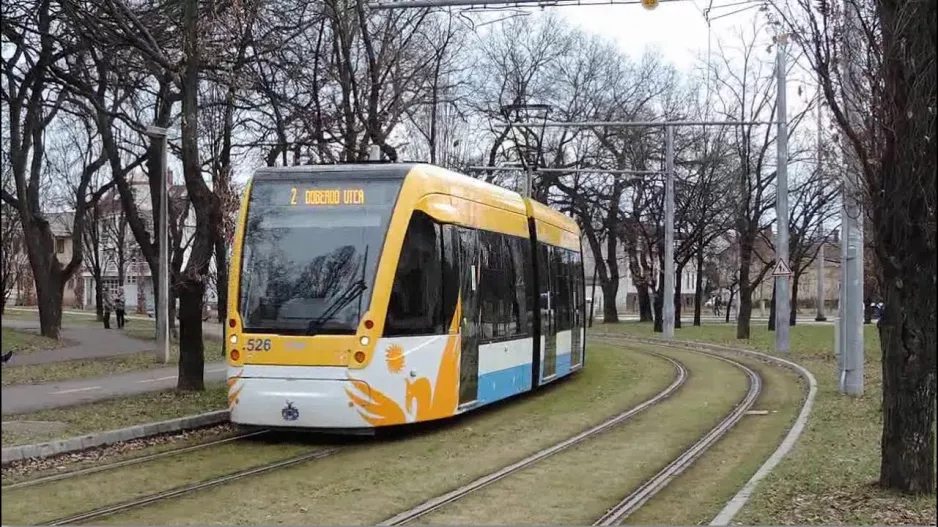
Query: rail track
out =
(644, 492)
(681, 375)
(614, 516)
(659, 481)
(130, 462)
(107, 510)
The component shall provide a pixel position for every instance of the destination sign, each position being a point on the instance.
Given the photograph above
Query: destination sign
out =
(319, 197)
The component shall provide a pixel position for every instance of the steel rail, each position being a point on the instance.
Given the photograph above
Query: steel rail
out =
(659, 481)
(435, 503)
(188, 489)
(135, 461)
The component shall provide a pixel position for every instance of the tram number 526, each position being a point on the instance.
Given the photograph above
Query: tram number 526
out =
(258, 345)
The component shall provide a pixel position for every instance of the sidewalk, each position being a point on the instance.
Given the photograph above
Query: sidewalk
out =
(29, 398)
(90, 342)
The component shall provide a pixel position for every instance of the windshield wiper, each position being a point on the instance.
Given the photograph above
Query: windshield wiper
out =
(354, 291)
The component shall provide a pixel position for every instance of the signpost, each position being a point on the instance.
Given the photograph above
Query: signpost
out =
(781, 269)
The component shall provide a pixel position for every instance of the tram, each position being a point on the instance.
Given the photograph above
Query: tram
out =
(373, 295)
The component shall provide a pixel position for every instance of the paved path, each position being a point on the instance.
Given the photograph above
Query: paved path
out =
(711, 319)
(90, 343)
(29, 398)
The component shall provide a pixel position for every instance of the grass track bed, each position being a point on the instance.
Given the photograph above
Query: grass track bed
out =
(577, 486)
(387, 476)
(114, 413)
(829, 477)
(699, 494)
(96, 490)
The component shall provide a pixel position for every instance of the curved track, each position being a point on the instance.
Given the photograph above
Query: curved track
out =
(436, 503)
(129, 462)
(188, 489)
(648, 489)
(659, 481)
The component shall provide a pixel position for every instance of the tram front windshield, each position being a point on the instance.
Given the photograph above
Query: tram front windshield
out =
(310, 253)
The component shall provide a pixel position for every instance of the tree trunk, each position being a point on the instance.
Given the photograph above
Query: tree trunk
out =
(98, 296)
(221, 279)
(772, 308)
(49, 292)
(867, 311)
(192, 361)
(678, 295)
(908, 341)
(644, 304)
(659, 305)
(793, 318)
(698, 287)
(745, 311)
(729, 305)
(610, 312)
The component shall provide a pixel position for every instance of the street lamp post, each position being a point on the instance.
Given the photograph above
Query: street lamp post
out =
(158, 134)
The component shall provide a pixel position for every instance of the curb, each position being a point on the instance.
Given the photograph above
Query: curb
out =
(736, 503)
(85, 442)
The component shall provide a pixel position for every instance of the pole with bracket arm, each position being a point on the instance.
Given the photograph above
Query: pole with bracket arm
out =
(159, 134)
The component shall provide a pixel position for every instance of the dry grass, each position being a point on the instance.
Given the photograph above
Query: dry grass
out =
(370, 482)
(81, 494)
(701, 492)
(579, 485)
(71, 370)
(115, 413)
(830, 475)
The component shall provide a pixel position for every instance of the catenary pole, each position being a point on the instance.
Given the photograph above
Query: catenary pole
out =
(783, 308)
(667, 310)
(852, 241)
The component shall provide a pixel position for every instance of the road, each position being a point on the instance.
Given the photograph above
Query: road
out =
(29, 398)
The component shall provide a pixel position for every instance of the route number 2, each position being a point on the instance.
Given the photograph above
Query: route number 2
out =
(258, 345)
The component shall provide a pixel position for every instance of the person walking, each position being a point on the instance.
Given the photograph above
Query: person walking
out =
(119, 309)
(108, 307)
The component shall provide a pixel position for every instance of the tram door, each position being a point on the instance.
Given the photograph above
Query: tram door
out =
(468, 243)
(548, 289)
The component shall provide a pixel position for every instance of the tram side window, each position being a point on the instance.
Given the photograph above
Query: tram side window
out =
(521, 267)
(545, 286)
(449, 244)
(560, 261)
(416, 303)
(576, 289)
(501, 308)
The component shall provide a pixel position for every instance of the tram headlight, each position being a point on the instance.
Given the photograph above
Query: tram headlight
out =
(364, 341)
(233, 339)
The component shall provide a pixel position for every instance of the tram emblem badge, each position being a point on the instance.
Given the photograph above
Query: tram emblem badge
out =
(289, 412)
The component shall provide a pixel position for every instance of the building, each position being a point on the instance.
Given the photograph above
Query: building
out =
(118, 254)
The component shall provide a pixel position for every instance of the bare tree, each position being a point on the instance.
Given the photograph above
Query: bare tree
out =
(33, 103)
(882, 95)
(11, 246)
(746, 91)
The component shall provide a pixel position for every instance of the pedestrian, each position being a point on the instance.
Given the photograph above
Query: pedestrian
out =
(108, 306)
(119, 309)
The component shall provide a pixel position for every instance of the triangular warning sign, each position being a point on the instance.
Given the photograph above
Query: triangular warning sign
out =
(781, 269)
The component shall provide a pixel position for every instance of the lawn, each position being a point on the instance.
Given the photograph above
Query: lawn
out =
(98, 367)
(383, 476)
(829, 477)
(26, 341)
(70, 421)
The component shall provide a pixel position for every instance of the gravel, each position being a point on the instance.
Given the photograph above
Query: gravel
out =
(110, 453)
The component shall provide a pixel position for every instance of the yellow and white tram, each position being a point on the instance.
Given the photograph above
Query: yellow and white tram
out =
(372, 295)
